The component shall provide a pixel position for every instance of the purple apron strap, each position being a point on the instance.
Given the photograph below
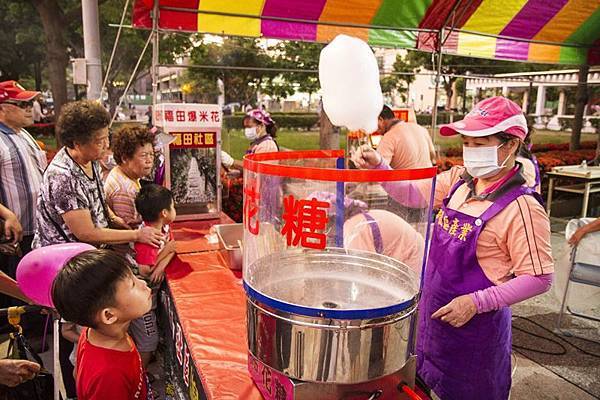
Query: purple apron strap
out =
(506, 199)
(376, 232)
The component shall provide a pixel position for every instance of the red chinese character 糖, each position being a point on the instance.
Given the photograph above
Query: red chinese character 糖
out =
(304, 222)
(180, 116)
(169, 115)
(203, 116)
(214, 116)
(251, 205)
(192, 116)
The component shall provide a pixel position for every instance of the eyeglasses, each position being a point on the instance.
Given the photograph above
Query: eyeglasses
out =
(21, 104)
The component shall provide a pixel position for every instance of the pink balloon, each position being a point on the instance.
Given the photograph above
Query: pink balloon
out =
(37, 270)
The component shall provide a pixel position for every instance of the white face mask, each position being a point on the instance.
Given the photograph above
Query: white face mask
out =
(251, 133)
(482, 162)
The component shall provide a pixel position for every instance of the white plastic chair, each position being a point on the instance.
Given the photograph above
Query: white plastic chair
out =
(584, 268)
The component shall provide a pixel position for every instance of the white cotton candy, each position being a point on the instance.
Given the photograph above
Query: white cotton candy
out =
(349, 77)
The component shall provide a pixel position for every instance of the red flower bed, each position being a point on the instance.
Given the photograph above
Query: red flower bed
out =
(551, 159)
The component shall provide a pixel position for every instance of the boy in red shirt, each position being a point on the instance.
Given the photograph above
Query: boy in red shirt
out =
(97, 290)
(155, 205)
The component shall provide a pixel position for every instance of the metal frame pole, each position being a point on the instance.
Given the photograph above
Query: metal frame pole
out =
(437, 84)
(91, 35)
(155, 49)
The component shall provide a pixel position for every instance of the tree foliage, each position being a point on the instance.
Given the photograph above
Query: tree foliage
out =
(239, 85)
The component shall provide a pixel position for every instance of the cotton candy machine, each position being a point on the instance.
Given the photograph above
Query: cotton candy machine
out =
(332, 283)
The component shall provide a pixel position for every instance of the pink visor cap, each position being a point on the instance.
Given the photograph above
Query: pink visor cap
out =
(488, 117)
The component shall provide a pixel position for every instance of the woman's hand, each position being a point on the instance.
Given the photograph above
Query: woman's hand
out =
(149, 235)
(13, 229)
(15, 372)
(366, 157)
(458, 312)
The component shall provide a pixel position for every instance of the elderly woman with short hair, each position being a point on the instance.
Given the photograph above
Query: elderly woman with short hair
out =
(71, 205)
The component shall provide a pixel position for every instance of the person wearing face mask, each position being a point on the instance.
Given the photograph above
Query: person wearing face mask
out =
(261, 131)
(490, 249)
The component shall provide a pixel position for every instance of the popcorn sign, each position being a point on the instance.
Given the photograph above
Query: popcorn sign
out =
(180, 116)
(193, 158)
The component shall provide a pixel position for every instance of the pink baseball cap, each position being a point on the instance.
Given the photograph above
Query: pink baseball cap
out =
(488, 117)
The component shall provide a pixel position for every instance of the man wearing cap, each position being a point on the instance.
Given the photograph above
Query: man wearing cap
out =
(490, 249)
(22, 162)
(405, 145)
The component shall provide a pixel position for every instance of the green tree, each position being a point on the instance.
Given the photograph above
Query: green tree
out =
(399, 80)
(21, 44)
(301, 56)
(239, 85)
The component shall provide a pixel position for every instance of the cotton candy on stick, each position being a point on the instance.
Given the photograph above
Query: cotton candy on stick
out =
(349, 78)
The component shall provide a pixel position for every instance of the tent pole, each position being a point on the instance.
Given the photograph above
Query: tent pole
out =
(437, 84)
(155, 48)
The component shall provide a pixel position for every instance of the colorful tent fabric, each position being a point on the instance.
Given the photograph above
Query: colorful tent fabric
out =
(499, 29)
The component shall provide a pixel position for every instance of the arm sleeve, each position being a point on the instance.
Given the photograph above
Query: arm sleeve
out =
(513, 291)
(416, 193)
(528, 238)
(145, 254)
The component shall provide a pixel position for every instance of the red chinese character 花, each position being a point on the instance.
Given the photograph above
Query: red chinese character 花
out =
(214, 116)
(251, 205)
(304, 222)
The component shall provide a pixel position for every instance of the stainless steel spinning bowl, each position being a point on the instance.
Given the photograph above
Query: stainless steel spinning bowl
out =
(332, 316)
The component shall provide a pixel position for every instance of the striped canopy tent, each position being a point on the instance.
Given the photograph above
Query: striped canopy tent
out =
(545, 31)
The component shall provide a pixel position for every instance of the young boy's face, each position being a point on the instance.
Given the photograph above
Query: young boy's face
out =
(132, 298)
(170, 214)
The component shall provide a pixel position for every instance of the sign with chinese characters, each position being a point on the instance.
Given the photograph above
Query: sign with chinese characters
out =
(459, 231)
(194, 140)
(405, 114)
(304, 222)
(273, 385)
(193, 159)
(179, 116)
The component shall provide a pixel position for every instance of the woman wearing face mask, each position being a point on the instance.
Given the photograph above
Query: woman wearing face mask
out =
(261, 131)
(490, 249)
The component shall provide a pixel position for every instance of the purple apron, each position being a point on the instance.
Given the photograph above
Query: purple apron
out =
(473, 361)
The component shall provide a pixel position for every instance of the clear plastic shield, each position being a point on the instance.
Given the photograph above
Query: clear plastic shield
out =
(322, 240)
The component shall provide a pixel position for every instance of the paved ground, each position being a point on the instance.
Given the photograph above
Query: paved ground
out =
(575, 374)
